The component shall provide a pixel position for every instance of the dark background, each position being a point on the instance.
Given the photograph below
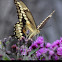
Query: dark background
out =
(40, 9)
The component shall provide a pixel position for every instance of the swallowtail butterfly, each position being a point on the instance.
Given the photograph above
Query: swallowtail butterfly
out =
(26, 24)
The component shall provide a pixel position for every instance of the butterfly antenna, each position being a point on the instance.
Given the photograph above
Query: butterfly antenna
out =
(41, 25)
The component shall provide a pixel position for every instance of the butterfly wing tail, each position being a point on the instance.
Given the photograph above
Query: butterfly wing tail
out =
(41, 25)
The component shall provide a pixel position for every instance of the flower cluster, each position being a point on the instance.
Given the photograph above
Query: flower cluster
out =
(47, 51)
(27, 49)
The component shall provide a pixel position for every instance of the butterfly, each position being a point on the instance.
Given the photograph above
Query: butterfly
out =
(26, 25)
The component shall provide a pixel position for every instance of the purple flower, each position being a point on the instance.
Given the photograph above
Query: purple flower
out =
(24, 52)
(33, 46)
(42, 45)
(43, 58)
(61, 39)
(38, 54)
(55, 44)
(51, 52)
(53, 57)
(56, 57)
(53, 48)
(21, 50)
(39, 40)
(59, 51)
(41, 51)
(58, 42)
(48, 45)
(61, 45)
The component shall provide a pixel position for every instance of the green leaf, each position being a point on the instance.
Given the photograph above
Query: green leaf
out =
(6, 57)
(7, 42)
(2, 46)
(33, 51)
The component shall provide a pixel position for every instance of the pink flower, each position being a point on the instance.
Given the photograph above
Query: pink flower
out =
(42, 45)
(61, 39)
(33, 46)
(41, 51)
(39, 40)
(55, 44)
(48, 45)
(59, 51)
(51, 52)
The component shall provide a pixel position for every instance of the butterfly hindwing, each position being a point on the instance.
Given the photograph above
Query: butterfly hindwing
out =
(20, 29)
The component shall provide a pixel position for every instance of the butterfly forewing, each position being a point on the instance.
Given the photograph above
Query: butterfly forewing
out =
(26, 21)
(28, 14)
(20, 29)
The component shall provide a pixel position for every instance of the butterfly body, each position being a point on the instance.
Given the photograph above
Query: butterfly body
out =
(26, 22)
